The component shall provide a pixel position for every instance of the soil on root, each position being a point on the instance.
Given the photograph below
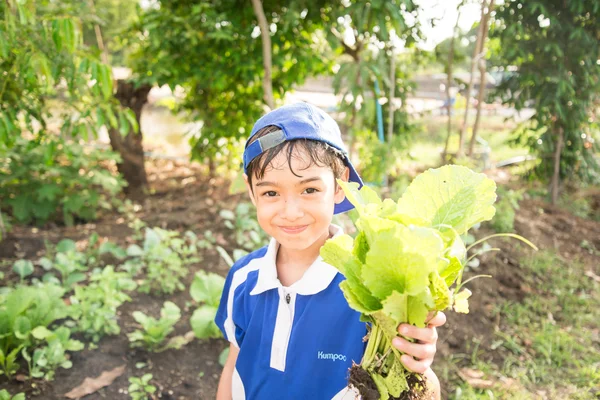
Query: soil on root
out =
(362, 381)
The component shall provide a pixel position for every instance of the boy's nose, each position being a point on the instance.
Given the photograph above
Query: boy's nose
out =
(292, 210)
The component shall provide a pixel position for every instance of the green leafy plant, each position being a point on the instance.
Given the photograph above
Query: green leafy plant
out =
(69, 262)
(577, 205)
(247, 232)
(377, 159)
(8, 362)
(94, 307)
(23, 268)
(22, 311)
(164, 258)
(4, 395)
(140, 388)
(96, 249)
(155, 331)
(206, 290)
(405, 258)
(504, 220)
(56, 180)
(45, 360)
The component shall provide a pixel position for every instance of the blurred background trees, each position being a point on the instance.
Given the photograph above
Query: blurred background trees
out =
(58, 82)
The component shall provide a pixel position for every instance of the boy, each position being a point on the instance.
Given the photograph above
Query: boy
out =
(292, 333)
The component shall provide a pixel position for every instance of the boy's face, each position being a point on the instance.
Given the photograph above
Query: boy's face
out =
(295, 210)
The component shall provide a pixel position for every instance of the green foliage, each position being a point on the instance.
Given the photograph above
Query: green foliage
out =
(224, 89)
(44, 62)
(9, 363)
(164, 259)
(223, 356)
(94, 307)
(247, 232)
(25, 308)
(504, 220)
(555, 48)
(378, 159)
(406, 256)
(113, 17)
(140, 388)
(23, 268)
(25, 314)
(4, 395)
(70, 264)
(45, 360)
(577, 205)
(206, 289)
(154, 332)
(543, 339)
(96, 250)
(54, 179)
(374, 28)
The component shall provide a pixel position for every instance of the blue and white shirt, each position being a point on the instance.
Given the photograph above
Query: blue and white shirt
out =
(295, 342)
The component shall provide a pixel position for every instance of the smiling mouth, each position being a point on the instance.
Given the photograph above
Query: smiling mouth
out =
(293, 229)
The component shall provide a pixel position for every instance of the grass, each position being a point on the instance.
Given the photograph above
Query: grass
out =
(548, 342)
(426, 150)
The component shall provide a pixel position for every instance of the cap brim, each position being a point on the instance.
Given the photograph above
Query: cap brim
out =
(346, 205)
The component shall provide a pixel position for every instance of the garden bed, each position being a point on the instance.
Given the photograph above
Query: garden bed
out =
(182, 199)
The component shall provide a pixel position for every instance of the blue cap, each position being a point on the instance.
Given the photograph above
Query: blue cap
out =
(300, 121)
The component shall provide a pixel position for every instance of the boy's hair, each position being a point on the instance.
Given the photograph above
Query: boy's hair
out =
(320, 154)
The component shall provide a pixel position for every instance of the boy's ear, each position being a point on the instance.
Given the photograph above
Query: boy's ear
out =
(339, 195)
(249, 188)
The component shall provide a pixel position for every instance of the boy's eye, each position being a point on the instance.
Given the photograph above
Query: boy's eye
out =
(270, 193)
(311, 190)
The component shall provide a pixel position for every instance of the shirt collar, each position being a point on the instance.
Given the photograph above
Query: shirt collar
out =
(316, 278)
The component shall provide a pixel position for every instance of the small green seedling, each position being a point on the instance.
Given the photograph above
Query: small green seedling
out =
(154, 332)
(94, 307)
(4, 395)
(23, 268)
(140, 388)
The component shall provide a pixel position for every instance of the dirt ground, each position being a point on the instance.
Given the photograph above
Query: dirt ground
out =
(183, 199)
(549, 228)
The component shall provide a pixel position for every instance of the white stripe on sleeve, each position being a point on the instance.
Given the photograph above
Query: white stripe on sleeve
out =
(239, 277)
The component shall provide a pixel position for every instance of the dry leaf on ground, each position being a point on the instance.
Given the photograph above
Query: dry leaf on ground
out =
(473, 378)
(590, 274)
(91, 385)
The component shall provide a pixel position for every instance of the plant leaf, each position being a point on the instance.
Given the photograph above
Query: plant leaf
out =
(207, 288)
(23, 268)
(461, 304)
(451, 195)
(203, 324)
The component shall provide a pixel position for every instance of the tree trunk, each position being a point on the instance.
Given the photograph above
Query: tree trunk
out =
(476, 55)
(266, 50)
(554, 185)
(448, 84)
(482, 71)
(130, 146)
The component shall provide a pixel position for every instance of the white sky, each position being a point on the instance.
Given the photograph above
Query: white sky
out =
(446, 11)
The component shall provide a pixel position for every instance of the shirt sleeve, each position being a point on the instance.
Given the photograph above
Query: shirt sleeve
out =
(231, 298)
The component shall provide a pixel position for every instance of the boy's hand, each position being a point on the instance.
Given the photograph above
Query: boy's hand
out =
(419, 355)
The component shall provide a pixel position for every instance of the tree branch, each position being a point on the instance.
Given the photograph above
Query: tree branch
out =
(266, 50)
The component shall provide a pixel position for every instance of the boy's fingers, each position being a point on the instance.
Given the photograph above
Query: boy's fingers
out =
(425, 335)
(436, 319)
(415, 366)
(417, 350)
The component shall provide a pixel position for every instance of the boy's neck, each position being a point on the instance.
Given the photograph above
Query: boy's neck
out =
(293, 263)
